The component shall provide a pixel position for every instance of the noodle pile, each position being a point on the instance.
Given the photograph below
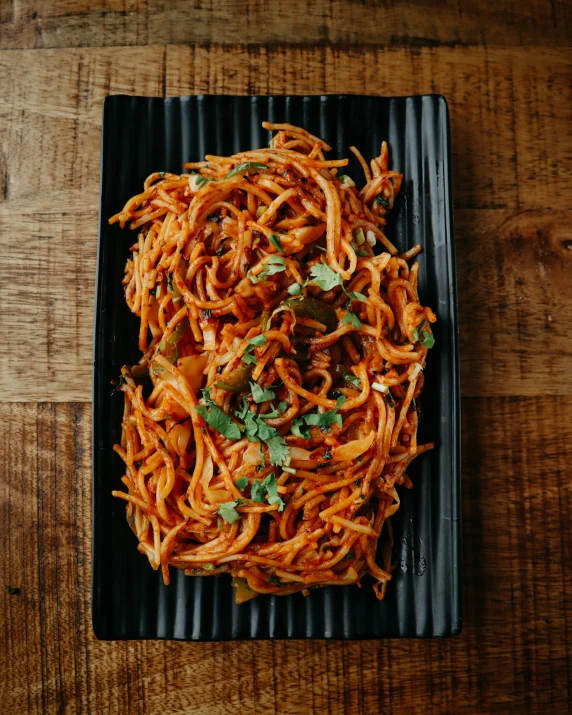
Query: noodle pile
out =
(274, 409)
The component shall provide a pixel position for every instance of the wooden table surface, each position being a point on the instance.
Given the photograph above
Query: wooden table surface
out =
(506, 70)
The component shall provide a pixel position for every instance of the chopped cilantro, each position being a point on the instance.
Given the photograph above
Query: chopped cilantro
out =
(354, 295)
(12, 590)
(228, 511)
(298, 429)
(275, 581)
(324, 277)
(259, 394)
(242, 483)
(352, 320)
(327, 418)
(382, 201)
(215, 417)
(282, 406)
(294, 289)
(278, 450)
(267, 488)
(351, 379)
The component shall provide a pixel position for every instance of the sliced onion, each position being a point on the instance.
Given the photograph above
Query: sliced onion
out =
(192, 370)
(209, 337)
(252, 454)
(352, 450)
(299, 453)
(179, 436)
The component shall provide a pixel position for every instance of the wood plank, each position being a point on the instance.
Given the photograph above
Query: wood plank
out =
(513, 654)
(52, 111)
(79, 23)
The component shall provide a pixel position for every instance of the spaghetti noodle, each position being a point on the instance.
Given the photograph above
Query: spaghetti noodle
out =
(273, 411)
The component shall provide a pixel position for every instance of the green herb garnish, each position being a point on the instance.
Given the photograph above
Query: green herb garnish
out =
(216, 418)
(242, 483)
(274, 239)
(248, 167)
(352, 320)
(259, 394)
(228, 511)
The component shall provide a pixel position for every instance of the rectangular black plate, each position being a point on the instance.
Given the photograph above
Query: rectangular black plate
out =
(129, 600)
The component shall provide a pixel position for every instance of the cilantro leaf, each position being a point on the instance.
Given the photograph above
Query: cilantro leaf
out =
(327, 418)
(259, 394)
(354, 295)
(294, 289)
(267, 488)
(352, 320)
(299, 430)
(282, 405)
(274, 239)
(242, 410)
(242, 483)
(216, 418)
(324, 277)
(228, 512)
(275, 264)
(382, 201)
(278, 450)
(258, 340)
(351, 379)
(272, 491)
(257, 491)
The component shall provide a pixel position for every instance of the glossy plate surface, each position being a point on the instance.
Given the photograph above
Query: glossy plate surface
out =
(129, 600)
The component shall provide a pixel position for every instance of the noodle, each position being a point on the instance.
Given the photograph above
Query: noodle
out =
(274, 408)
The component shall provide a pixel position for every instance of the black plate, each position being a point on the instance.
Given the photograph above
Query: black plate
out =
(129, 600)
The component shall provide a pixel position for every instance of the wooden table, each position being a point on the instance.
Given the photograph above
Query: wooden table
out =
(507, 76)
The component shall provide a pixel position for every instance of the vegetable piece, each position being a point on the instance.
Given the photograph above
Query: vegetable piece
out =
(352, 320)
(248, 167)
(324, 277)
(274, 239)
(275, 264)
(298, 429)
(353, 449)
(216, 418)
(192, 369)
(351, 379)
(382, 201)
(243, 591)
(422, 336)
(169, 347)
(259, 394)
(314, 309)
(327, 418)
(295, 289)
(360, 236)
(228, 511)
(242, 483)
(239, 377)
(267, 488)
(258, 340)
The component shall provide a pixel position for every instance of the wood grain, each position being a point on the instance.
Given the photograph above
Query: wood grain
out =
(26, 24)
(517, 176)
(512, 655)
